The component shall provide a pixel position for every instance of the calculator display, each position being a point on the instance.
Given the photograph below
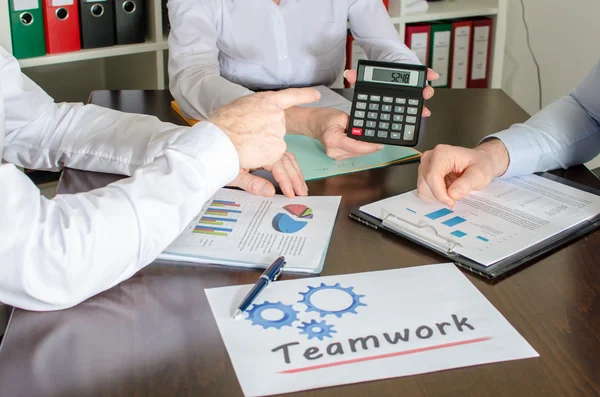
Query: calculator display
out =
(411, 78)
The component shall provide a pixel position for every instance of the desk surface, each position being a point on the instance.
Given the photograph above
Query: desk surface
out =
(154, 335)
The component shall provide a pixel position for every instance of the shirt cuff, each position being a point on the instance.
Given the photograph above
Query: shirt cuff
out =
(523, 151)
(210, 146)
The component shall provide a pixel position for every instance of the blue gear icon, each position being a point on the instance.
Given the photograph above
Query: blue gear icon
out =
(312, 308)
(316, 329)
(289, 315)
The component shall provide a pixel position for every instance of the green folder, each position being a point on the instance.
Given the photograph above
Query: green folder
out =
(315, 164)
(440, 52)
(27, 28)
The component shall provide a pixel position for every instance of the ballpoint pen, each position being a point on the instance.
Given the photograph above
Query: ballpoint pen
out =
(269, 275)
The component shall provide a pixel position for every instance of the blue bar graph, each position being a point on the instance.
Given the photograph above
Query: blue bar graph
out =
(439, 213)
(457, 220)
(483, 239)
(458, 233)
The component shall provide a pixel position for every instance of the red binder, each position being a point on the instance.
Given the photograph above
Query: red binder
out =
(61, 23)
(460, 63)
(480, 53)
(349, 41)
(417, 39)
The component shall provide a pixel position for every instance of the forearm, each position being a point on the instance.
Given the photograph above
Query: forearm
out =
(561, 135)
(60, 252)
(496, 151)
(90, 138)
(298, 120)
(199, 89)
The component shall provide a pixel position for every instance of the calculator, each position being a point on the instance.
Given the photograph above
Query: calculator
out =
(387, 104)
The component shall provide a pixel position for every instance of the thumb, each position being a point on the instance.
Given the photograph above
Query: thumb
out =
(254, 184)
(294, 96)
(350, 75)
(472, 179)
(357, 147)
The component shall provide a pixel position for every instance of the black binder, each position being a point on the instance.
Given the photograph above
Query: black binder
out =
(505, 265)
(130, 24)
(97, 20)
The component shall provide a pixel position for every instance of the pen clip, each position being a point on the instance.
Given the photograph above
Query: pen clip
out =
(276, 276)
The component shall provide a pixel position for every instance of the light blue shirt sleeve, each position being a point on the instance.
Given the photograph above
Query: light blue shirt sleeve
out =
(564, 133)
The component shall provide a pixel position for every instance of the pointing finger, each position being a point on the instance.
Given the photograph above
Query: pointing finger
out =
(294, 96)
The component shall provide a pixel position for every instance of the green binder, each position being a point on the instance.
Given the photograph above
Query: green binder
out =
(27, 28)
(440, 52)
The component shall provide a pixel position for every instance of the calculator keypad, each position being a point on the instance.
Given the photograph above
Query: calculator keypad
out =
(385, 117)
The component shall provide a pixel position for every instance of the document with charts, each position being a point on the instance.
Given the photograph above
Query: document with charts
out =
(509, 216)
(240, 229)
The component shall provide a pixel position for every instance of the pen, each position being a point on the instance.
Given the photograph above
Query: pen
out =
(269, 275)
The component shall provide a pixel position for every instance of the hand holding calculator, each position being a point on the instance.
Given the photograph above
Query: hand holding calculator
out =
(387, 103)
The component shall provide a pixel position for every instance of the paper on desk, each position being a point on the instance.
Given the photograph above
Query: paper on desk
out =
(318, 332)
(330, 99)
(508, 216)
(315, 163)
(237, 228)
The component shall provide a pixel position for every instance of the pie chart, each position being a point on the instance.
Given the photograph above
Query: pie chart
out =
(295, 220)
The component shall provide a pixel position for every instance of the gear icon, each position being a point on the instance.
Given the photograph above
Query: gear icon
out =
(316, 329)
(289, 315)
(310, 307)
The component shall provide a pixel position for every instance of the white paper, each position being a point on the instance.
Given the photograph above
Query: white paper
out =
(480, 52)
(441, 57)
(330, 99)
(60, 3)
(23, 5)
(253, 231)
(418, 45)
(411, 321)
(507, 217)
(460, 57)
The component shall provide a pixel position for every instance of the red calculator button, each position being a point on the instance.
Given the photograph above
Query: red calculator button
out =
(356, 131)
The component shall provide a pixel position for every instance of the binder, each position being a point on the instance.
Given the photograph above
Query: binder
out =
(97, 19)
(441, 36)
(460, 54)
(430, 239)
(61, 19)
(27, 28)
(417, 39)
(348, 65)
(130, 18)
(480, 58)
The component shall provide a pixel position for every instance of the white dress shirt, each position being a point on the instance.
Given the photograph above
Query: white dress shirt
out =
(564, 133)
(221, 49)
(57, 253)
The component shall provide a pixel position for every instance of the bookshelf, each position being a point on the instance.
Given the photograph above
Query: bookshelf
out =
(455, 9)
(143, 66)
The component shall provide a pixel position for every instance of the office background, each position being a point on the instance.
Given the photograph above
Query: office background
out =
(563, 37)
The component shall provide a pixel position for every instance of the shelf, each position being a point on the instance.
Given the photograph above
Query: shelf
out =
(449, 9)
(96, 53)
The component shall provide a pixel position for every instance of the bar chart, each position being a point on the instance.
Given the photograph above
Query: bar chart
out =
(219, 218)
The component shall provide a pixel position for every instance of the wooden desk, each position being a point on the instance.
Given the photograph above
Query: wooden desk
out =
(154, 335)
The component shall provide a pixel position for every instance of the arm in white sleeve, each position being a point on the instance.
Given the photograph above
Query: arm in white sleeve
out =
(57, 253)
(564, 133)
(372, 29)
(194, 74)
(40, 134)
